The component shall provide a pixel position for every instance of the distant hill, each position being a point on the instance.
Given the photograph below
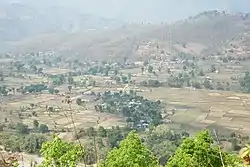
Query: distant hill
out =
(19, 20)
(203, 34)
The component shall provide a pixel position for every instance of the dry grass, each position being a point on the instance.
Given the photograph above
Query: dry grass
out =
(205, 108)
(55, 71)
(3, 61)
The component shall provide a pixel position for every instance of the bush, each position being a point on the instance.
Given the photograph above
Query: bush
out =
(79, 101)
(102, 132)
(22, 128)
(43, 128)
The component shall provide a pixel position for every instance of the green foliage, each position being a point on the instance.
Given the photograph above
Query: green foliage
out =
(22, 128)
(58, 79)
(12, 142)
(94, 70)
(176, 81)
(53, 91)
(124, 79)
(196, 85)
(116, 71)
(200, 152)
(60, 153)
(131, 152)
(79, 101)
(91, 131)
(102, 132)
(70, 88)
(129, 76)
(35, 124)
(150, 69)
(3, 90)
(245, 83)
(32, 143)
(150, 83)
(43, 128)
(208, 84)
(213, 68)
(135, 107)
(163, 142)
(70, 80)
(114, 135)
(56, 91)
(35, 88)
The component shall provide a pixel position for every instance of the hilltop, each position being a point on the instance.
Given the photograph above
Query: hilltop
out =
(204, 34)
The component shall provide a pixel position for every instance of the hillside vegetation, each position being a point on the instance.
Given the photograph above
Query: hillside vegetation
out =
(204, 34)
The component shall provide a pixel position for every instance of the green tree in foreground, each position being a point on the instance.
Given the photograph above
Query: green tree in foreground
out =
(59, 153)
(245, 154)
(131, 152)
(200, 152)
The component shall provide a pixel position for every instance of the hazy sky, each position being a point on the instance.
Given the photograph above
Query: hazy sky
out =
(145, 10)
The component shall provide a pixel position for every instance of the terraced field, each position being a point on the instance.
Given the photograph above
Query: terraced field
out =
(200, 108)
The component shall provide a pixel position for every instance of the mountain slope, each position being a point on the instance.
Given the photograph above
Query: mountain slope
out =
(19, 20)
(203, 34)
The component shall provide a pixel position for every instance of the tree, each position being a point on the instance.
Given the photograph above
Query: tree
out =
(50, 109)
(1, 127)
(142, 69)
(116, 71)
(245, 154)
(35, 124)
(33, 143)
(163, 150)
(93, 83)
(56, 91)
(208, 84)
(22, 128)
(70, 80)
(33, 68)
(51, 90)
(199, 152)
(131, 152)
(213, 68)
(79, 101)
(196, 85)
(91, 131)
(70, 88)
(32, 105)
(40, 70)
(43, 128)
(129, 76)
(162, 141)
(102, 132)
(150, 69)
(184, 68)
(245, 82)
(60, 153)
(124, 79)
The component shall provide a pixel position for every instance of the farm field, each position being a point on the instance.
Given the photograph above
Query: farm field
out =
(203, 109)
